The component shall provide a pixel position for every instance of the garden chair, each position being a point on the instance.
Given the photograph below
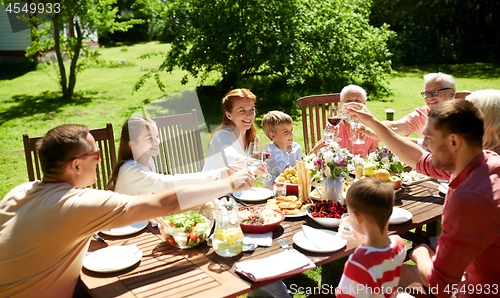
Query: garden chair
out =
(181, 149)
(315, 116)
(462, 94)
(105, 142)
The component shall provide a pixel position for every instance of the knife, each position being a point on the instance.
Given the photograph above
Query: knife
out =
(98, 238)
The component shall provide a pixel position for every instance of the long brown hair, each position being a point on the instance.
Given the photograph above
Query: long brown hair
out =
(131, 127)
(228, 105)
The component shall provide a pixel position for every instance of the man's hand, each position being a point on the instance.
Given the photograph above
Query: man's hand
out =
(422, 255)
(366, 131)
(360, 111)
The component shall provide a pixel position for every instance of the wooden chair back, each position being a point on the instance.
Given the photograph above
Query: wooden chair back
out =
(181, 149)
(462, 94)
(315, 115)
(105, 141)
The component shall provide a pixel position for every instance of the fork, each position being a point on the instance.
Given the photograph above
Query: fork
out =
(283, 244)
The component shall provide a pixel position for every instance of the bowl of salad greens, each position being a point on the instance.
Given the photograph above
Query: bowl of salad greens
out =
(187, 229)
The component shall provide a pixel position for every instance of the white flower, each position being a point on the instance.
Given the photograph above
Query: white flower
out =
(327, 172)
(385, 160)
(328, 157)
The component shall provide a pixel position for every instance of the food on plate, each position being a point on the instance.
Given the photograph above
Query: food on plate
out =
(186, 229)
(369, 169)
(328, 209)
(289, 175)
(411, 177)
(396, 182)
(258, 216)
(289, 205)
(383, 174)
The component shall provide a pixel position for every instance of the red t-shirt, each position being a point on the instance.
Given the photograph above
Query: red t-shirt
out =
(373, 272)
(470, 237)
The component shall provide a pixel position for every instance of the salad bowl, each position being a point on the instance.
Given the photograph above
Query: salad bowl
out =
(187, 229)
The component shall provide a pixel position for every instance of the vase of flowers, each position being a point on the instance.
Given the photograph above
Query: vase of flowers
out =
(330, 165)
(383, 158)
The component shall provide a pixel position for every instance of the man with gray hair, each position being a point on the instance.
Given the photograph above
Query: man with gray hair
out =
(438, 88)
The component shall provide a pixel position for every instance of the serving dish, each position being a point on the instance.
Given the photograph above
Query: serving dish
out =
(180, 231)
(259, 220)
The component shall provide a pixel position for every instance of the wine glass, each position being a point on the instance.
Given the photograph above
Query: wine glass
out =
(344, 115)
(253, 159)
(334, 121)
(264, 154)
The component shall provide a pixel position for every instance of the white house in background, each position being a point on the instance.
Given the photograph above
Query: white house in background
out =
(13, 45)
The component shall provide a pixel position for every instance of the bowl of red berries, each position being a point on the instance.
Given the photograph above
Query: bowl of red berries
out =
(326, 213)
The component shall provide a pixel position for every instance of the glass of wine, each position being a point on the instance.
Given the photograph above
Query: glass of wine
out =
(252, 160)
(334, 121)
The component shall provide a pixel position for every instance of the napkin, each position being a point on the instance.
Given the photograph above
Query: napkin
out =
(265, 239)
(318, 238)
(285, 263)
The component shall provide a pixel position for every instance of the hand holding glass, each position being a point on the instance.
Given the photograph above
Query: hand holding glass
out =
(345, 229)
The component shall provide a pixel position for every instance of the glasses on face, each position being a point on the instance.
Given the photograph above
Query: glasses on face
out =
(97, 157)
(433, 93)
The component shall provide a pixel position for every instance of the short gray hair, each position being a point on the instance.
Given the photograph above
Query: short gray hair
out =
(352, 87)
(448, 81)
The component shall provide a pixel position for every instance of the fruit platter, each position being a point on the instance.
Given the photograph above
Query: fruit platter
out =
(326, 213)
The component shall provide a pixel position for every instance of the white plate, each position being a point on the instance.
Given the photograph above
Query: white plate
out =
(296, 215)
(442, 188)
(113, 258)
(300, 239)
(399, 216)
(123, 231)
(254, 194)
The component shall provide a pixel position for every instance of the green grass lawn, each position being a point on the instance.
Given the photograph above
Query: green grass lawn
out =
(30, 103)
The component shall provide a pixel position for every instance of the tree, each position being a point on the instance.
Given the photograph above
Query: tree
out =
(320, 45)
(80, 19)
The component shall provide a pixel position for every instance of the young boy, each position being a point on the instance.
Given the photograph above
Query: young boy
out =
(284, 151)
(375, 266)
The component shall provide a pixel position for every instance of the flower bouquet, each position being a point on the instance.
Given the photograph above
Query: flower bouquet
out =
(383, 158)
(331, 162)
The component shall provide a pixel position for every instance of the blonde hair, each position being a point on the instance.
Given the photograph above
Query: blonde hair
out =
(228, 106)
(273, 120)
(488, 102)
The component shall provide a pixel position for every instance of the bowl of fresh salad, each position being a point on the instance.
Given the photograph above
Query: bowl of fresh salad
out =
(259, 220)
(187, 229)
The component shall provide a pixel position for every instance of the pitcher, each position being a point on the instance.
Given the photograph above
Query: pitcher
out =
(228, 237)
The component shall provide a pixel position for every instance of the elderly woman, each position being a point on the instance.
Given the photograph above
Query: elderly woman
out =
(488, 101)
(354, 93)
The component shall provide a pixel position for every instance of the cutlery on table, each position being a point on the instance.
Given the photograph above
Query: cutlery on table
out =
(238, 200)
(434, 195)
(283, 244)
(98, 238)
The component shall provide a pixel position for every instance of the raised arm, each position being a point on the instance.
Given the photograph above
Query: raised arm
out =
(174, 200)
(406, 150)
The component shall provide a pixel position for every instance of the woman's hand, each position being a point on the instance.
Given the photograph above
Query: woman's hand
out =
(261, 170)
(241, 180)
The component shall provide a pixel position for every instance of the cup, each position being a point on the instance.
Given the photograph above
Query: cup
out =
(279, 190)
(345, 229)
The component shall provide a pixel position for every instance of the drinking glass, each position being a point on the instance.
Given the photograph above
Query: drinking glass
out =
(345, 229)
(257, 155)
(334, 120)
(344, 115)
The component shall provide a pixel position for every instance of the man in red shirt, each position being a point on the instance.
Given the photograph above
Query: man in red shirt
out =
(470, 237)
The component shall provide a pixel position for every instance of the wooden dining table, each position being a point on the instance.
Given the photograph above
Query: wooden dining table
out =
(166, 271)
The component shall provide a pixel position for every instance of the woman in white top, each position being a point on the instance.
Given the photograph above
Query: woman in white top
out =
(231, 139)
(135, 172)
